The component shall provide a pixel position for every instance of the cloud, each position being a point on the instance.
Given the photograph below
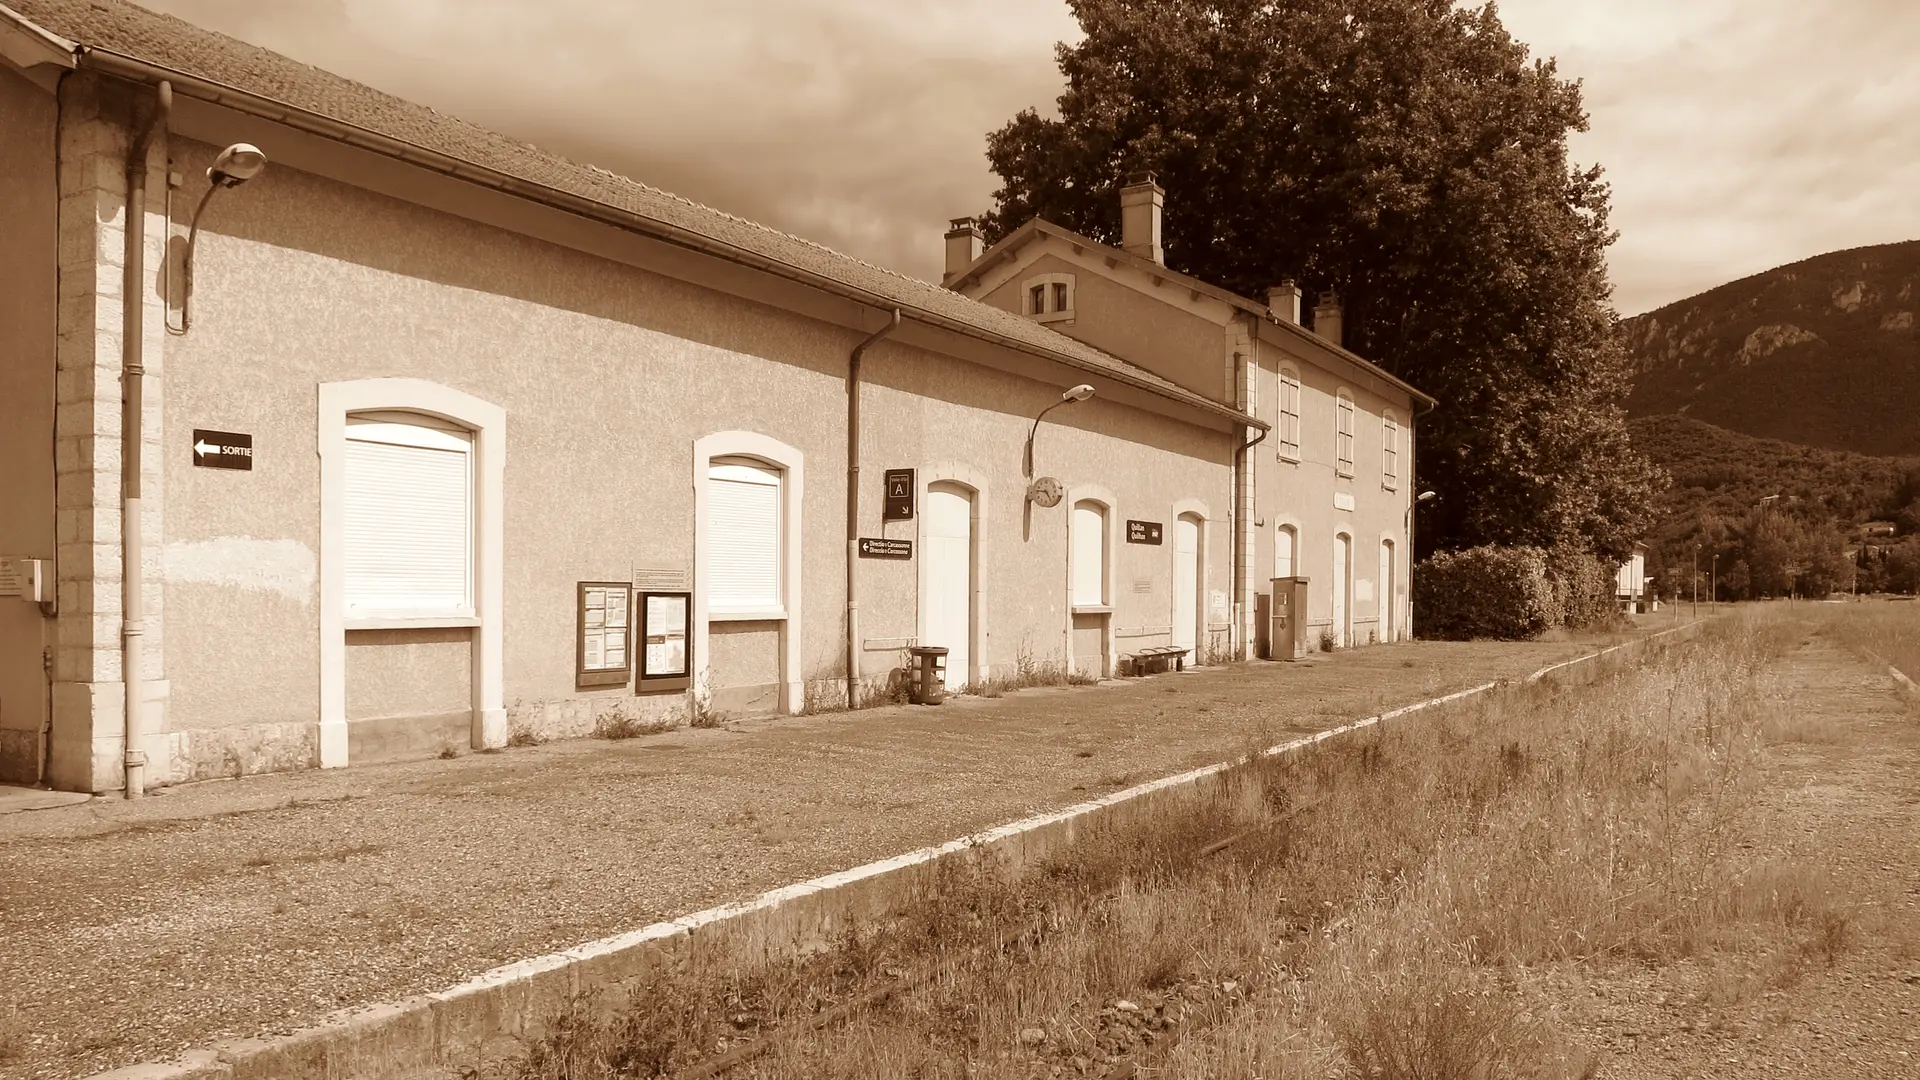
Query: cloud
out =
(1738, 134)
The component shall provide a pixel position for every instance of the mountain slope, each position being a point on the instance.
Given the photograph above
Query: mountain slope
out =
(1725, 473)
(1824, 352)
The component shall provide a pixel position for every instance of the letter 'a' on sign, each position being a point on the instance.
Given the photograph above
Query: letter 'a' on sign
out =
(222, 449)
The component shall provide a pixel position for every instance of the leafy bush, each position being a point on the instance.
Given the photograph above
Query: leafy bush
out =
(1584, 588)
(1511, 593)
(1485, 592)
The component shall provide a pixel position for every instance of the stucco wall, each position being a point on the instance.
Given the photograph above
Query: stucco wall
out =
(28, 264)
(930, 414)
(1302, 494)
(1162, 337)
(607, 374)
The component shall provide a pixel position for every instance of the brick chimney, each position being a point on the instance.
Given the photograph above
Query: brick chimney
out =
(964, 243)
(1284, 301)
(1140, 205)
(1326, 316)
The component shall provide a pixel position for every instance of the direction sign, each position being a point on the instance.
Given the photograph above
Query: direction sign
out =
(879, 547)
(899, 506)
(222, 449)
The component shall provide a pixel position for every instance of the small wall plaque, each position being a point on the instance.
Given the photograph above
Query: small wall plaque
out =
(660, 579)
(1143, 532)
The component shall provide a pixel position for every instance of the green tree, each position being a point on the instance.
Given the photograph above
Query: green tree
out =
(1406, 154)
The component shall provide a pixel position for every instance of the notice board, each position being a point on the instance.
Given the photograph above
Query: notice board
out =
(604, 642)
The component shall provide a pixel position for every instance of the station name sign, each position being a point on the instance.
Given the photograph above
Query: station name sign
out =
(1143, 532)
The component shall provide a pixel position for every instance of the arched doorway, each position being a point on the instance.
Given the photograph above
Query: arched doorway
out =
(1342, 590)
(1187, 569)
(1389, 602)
(946, 602)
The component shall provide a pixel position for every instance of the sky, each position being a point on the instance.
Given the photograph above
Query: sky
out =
(1738, 134)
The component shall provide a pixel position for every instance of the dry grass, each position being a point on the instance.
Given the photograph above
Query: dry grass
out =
(1886, 629)
(1029, 672)
(1387, 909)
(622, 722)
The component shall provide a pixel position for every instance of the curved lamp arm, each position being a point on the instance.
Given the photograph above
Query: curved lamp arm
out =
(1078, 393)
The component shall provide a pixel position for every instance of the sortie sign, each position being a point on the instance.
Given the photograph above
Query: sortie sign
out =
(222, 449)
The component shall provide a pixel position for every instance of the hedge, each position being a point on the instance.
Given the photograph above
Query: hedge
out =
(1510, 593)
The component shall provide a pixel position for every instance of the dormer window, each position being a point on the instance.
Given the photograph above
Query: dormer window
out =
(1048, 297)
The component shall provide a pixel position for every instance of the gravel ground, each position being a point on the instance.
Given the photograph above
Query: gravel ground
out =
(233, 908)
(1852, 805)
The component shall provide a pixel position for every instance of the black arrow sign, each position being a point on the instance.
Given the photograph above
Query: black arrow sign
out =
(223, 449)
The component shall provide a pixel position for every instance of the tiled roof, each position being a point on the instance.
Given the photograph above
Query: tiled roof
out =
(1011, 243)
(119, 27)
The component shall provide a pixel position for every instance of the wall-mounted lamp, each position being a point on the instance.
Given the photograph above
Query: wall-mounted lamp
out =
(1078, 393)
(1047, 490)
(234, 166)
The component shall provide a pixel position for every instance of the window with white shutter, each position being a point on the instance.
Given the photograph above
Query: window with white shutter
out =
(1089, 542)
(743, 537)
(1343, 435)
(1390, 451)
(1287, 431)
(407, 518)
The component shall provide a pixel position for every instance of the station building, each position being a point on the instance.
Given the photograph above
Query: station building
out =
(1325, 491)
(416, 436)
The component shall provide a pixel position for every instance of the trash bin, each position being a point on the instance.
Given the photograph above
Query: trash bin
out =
(928, 685)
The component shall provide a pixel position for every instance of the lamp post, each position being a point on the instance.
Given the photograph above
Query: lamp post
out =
(1078, 393)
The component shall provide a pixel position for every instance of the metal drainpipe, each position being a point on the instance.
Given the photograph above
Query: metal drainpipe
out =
(1413, 497)
(853, 503)
(1240, 638)
(132, 355)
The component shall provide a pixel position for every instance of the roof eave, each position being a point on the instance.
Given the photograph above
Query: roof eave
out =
(134, 69)
(27, 44)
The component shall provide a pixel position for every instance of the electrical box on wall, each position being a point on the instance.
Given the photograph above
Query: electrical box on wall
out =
(26, 579)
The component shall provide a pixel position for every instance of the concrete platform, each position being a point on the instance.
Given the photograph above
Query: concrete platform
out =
(14, 800)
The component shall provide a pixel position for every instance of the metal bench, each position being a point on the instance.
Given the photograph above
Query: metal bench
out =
(1156, 658)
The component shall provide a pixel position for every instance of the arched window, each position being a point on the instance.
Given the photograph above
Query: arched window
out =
(1089, 554)
(743, 536)
(1284, 539)
(1287, 423)
(1047, 297)
(407, 528)
(1390, 450)
(1343, 434)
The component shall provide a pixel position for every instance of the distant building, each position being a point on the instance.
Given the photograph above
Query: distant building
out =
(1871, 529)
(1630, 581)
